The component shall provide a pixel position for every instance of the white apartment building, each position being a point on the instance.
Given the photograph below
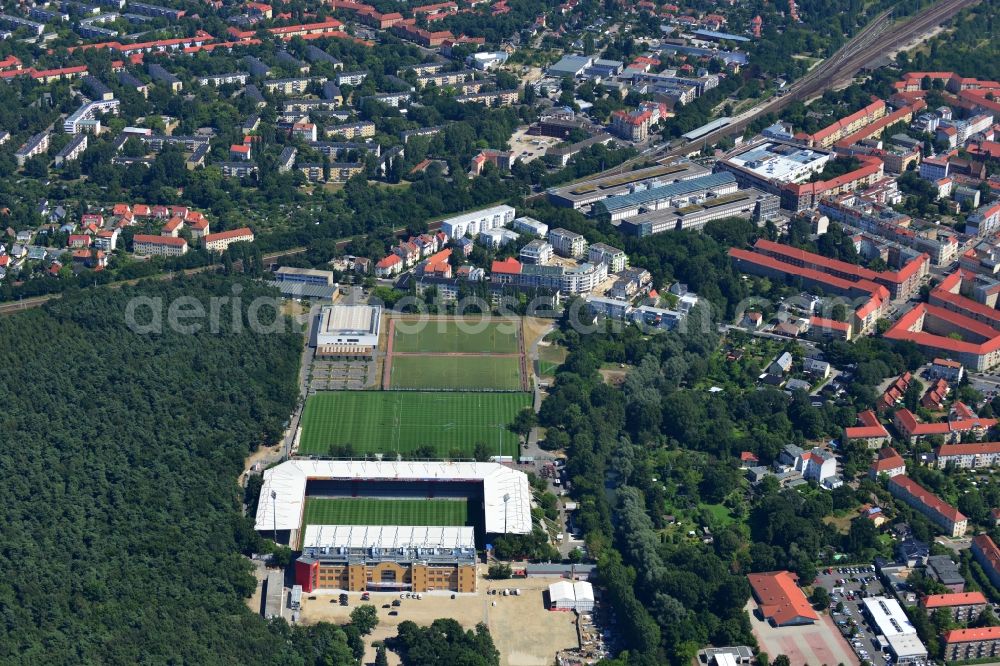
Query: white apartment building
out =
(476, 222)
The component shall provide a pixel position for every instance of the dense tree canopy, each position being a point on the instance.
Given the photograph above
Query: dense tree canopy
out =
(122, 522)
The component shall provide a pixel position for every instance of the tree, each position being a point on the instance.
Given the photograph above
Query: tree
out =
(481, 452)
(781, 660)
(820, 597)
(381, 659)
(365, 618)
(500, 571)
(523, 422)
(281, 556)
(911, 399)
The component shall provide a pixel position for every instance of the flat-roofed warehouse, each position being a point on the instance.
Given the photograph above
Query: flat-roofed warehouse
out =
(381, 557)
(888, 617)
(671, 195)
(750, 203)
(584, 194)
(348, 330)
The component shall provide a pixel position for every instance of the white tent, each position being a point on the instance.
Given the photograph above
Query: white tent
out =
(578, 596)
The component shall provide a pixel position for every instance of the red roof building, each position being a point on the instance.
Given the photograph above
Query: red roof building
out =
(889, 463)
(869, 429)
(781, 601)
(955, 600)
(847, 125)
(969, 644)
(949, 519)
(934, 397)
(502, 272)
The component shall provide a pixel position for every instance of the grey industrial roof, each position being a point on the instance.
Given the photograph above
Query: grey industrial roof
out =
(666, 191)
(304, 290)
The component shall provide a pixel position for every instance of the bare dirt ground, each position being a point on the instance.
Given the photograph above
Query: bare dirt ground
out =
(524, 631)
(535, 328)
(819, 643)
(525, 147)
(614, 376)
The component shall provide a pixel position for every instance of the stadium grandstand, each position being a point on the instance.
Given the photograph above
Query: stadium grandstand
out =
(367, 553)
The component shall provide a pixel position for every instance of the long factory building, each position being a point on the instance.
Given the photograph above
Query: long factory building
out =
(583, 195)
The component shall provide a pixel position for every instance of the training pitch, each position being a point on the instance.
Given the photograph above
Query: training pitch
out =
(390, 422)
(369, 511)
(500, 373)
(450, 336)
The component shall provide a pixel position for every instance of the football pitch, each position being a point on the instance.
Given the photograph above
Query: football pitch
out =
(500, 373)
(448, 336)
(389, 422)
(370, 511)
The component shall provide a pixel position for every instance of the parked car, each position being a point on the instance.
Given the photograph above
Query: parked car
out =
(397, 602)
(392, 612)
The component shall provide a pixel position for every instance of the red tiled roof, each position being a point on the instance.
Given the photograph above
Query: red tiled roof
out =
(870, 427)
(953, 599)
(158, 240)
(327, 25)
(386, 262)
(224, 235)
(780, 598)
(887, 459)
(831, 324)
(970, 635)
(902, 331)
(989, 550)
(971, 449)
(927, 498)
(509, 266)
(847, 120)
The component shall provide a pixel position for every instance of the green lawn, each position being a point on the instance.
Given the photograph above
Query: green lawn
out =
(401, 421)
(720, 514)
(470, 373)
(372, 511)
(446, 336)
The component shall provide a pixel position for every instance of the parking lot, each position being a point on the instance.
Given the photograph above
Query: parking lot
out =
(341, 375)
(848, 585)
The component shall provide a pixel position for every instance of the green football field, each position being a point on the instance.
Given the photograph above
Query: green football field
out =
(448, 336)
(391, 422)
(373, 511)
(470, 373)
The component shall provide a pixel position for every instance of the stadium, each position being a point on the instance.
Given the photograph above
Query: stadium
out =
(390, 525)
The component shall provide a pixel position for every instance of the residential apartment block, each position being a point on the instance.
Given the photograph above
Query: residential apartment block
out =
(963, 606)
(159, 246)
(969, 644)
(949, 519)
(219, 242)
(616, 259)
(567, 243)
(36, 145)
(477, 221)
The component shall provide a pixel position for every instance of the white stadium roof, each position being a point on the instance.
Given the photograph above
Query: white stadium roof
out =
(287, 482)
(388, 537)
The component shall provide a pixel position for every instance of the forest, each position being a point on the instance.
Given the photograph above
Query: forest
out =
(121, 513)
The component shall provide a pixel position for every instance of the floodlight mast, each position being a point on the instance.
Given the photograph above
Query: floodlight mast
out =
(274, 515)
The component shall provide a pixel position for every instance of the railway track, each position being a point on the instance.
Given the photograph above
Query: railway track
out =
(881, 35)
(878, 37)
